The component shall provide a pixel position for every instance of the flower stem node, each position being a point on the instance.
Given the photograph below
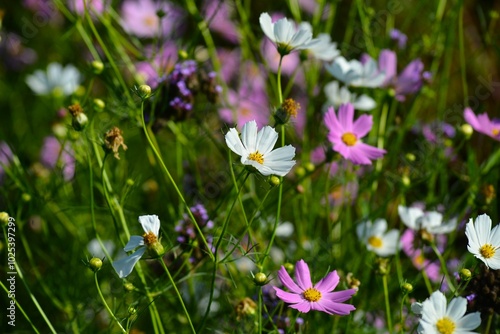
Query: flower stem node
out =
(4, 218)
(274, 181)
(260, 279)
(97, 67)
(406, 288)
(465, 274)
(95, 264)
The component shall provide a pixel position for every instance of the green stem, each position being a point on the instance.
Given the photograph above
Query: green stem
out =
(178, 294)
(106, 304)
(280, 95)
(401, 315)
(443, 267)
(388, 313)
(171, 179)
(260, 310)
(488, 324)
(426, 281)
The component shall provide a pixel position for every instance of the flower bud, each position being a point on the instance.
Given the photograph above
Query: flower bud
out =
(95, 264)
(99, 105)
(467, 130)
(4, 218)
(182, 54)
(406, 288)
(144, 91)
(260, 279)
(274, 181)
(26, 197)
(156, 249)
(300, 171)
(97, 66)
(132, 310)
(465, 274)
(128, 287)
(382, 266)
(405, 180)
(289, 108)
(411, 157)
(309, 166)
(80, 122)
(289, 267)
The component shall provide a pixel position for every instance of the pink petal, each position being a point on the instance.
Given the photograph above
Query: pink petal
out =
(362, 125)
(331, 307)
(287, 297)
(287, 281)
(346, 116)
(302, 307)
(471, 118)
(328, 283)
(332, 122)
(302, 275)
(339, 296)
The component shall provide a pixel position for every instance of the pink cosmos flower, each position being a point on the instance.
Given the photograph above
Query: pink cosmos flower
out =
(305, 297)
(483, 124)
(345, 133)
(93, 6)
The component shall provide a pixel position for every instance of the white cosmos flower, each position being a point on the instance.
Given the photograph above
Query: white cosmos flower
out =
(256, 149)
(484, 242)
(57, 78)
(337, 96)
(321, 47)
(284, 34)
(431, 221)
(439, 318)
(151, 226)
(355, 73)
(377, 239)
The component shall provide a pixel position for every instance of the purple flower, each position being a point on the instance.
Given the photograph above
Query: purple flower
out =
(483, 124)
(53, 154)
(14, 54)
(306, 297)
(399, 37)
(155, 70)
(92, 6)
(217, 15)
(141, 18)
(408, 82)
(345, 133)
(6, 157)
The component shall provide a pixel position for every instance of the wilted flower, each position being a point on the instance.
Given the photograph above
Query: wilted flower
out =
(303, 296)
(377, 239)
(484, 242)
(483, 124)
(345, 133)
(256, 149)
(356, 73)
(440, 318)
(57, 79)
(113, 140)
(148, 241)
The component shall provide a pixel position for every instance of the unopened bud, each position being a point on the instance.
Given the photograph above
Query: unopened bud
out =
(274, 181)
(465, 274)
(97, 66)
(406, 288)
(4, 218)
(182, 54)
(260, 279)
(95, 264)
(405, 180)
(411, 157)
(128, 287)
(309, 166)
(99, 105)
(300, 171)
(26, 197)
(467, 130)
(132, 310)
(289, 267)
(144, 91)
(79, 122)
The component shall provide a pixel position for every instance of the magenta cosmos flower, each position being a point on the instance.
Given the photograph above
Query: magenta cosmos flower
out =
(345, 133)
(483, 124)
(303, 296)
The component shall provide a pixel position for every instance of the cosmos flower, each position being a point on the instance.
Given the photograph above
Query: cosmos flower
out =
(356, 73)
(439, 318)
(337, 96)
(256, 149)
(148, 241)
(93, 6)
(303, 296)
(377, 238)
(431, 221)
(59, 79)
(484, 242)
(285, 35)
(53, 155)
(399, 37)
(483, 124)
(345, 133)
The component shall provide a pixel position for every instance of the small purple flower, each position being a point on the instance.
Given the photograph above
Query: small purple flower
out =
(6, 157)
(217, 14)
(399, 37)
(12, 51)
(305, 297)
(483, 124)
(155, 70)
(345, 133)
(92, 6)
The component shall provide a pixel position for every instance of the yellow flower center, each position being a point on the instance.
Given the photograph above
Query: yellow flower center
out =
(495, 132)
(149, 238)
(419, 260)
(349, 138)
(256, 157)
(445, 326)
(375, 241)
(290, 107)
(487, 251)
(312, 295)
(151, 21)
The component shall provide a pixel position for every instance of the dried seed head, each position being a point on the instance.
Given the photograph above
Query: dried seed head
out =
(113, 140)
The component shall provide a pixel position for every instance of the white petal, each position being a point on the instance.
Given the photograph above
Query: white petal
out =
(457, 308)
(134, 242)
(280, 154)
(249, 136)
(409, 216)
(150, 223)
(125, 266)
(364, 103)
(233, 141)
(267, 26)
(266, 139)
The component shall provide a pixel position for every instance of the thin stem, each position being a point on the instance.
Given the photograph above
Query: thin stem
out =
(488, 324)
(443, 267)
(260, 310)
(106, 304)
(427, 281)
(178, 293)
(388, 313)
(280, 96)
(171, 179)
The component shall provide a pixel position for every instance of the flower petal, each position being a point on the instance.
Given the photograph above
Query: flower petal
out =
(150, 223)
(249, 136)
(234, 143)
(331, 307)
(125, 266)
(339, 296)
(287, 297)
(134, 242)
(288, 282)
(328, 283)
(302, 275)
(266, 139)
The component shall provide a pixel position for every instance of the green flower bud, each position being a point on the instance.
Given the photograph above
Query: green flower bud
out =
(95, 264)
(128, 287)
(26, 197)
(99, 105)
(309, 166)
(260, 279)
(300, 171)
(467, 130)
(465, 274)
(274, 181)
(79, 122)
(97, 67)
(406, 288)
(405, 180)
(4, 218)
(132, 310)
(289, 267)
